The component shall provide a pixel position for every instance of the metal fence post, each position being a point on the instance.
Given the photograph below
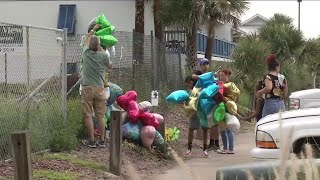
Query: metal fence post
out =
(134, 56)
(152, 61)
(180, 69)
(6, 74)
(28, 75)
(64, 75)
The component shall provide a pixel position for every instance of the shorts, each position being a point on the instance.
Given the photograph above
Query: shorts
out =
(93, 99)
(272, 106)
(194, 122)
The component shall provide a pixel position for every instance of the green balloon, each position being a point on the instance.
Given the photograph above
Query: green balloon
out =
(219, 113)
(103, 21)
(105, 31)
(202, 116)
(108, 40)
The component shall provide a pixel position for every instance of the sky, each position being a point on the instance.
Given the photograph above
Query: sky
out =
(309, 14)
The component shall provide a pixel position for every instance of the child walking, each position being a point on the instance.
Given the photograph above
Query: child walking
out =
(194, 122)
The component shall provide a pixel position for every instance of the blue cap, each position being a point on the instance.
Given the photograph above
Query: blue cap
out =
(204, 61)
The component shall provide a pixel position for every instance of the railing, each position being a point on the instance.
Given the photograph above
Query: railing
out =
(177, 39)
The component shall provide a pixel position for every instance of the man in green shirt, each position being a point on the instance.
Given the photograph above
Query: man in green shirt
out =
(93, 98)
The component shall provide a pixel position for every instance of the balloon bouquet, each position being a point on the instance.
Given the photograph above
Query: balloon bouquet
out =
(205, 100)
(142, 126)
(107, 40)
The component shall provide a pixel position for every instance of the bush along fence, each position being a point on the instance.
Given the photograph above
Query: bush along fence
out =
(39, 75)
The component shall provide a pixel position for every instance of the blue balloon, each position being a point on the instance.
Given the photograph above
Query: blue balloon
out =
(210, 91)
(202, 116)
(131, 131)
(179, 96)
(115, 91)
(207, 105)
(206, 80)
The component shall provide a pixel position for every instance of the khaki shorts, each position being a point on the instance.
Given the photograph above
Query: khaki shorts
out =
(93, 99)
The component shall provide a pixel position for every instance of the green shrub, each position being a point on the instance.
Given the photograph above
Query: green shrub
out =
(64, 135)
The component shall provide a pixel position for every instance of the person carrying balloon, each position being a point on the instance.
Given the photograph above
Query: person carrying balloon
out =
(230, 94)
(194, 122)
(93, 97)
(214, 130)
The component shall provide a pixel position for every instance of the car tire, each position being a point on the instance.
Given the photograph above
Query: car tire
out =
(299, 146)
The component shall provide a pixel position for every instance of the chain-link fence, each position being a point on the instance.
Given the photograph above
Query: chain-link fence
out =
(38, 66)
(31, 88)
(140, 63)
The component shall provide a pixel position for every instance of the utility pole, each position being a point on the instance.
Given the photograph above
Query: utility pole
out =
(299, 1)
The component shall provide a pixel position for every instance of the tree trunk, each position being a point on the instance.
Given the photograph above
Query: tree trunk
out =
(139, 30)
(314, 77)
(210, 42)
(139, 16)
(191, 49)
(157, 21)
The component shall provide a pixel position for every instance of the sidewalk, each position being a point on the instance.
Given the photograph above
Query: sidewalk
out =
(205, 168)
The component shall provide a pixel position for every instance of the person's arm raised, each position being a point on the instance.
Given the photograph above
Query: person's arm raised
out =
(94, 29)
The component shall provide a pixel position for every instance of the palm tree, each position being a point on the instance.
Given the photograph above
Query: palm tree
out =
(222, 11)
(310, 55)
(249, 56)
(157, 20)
(139, 16)
(285, 38)
(139, 31)
(187, 15)
(279, 36)
(139, 26)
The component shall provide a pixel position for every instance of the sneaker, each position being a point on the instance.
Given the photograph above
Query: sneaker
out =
(219, 151)
(101, 144)
(230, 152)
(188, 153)
(89, 143)
(206, 154)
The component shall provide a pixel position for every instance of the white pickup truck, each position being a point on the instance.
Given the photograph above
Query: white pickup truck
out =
(300, 125)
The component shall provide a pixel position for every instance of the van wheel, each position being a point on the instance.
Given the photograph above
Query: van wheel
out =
(299, 147)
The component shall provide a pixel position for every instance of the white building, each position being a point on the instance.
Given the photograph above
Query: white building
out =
(76, 15)
(121, 13)
(46, 13)
(253, 24)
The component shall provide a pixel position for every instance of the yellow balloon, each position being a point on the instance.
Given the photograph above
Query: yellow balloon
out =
(233, 91)
(194, 95)
(232, 107)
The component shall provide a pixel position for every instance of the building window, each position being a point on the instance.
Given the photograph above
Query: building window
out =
(67, 17)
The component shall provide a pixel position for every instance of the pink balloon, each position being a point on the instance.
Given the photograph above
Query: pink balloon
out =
(148, 134)
(133, 112)
(123, 100)
(159, 117)
(148, 119)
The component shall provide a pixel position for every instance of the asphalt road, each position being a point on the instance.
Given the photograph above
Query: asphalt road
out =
(205, 168)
